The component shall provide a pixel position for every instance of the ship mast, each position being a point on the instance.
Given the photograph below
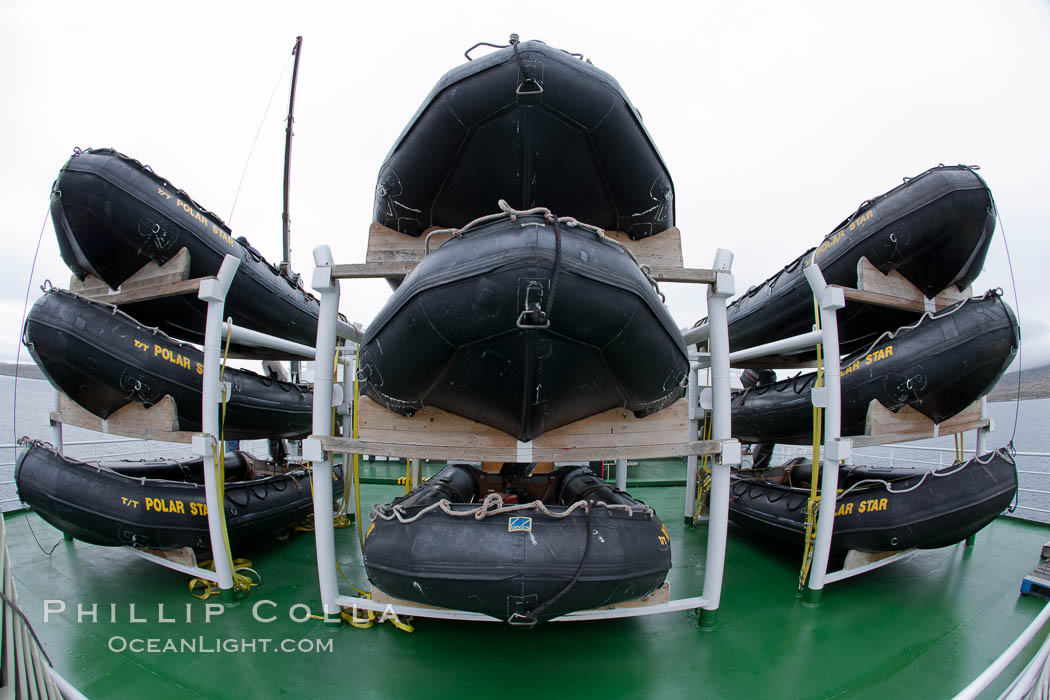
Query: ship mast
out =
(286, 261)
(286, 243)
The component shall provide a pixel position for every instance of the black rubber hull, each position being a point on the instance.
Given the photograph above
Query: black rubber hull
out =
(104, 360)
(578, 147)
(112, 216)
(525, 566)
(107, 508)
(934, 230)
(939, 367)
(449, 336)
(937, 511)
(464, 564)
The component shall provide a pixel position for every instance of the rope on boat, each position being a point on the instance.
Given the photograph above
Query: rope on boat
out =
(936, 473)
(493, 505)
(933, 315)
(512, 214)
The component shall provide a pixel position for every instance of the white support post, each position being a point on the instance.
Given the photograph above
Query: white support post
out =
(214, 293)
(324, 530)
(621, 474)
(718, 526)
(414, 468)
(56, 440)
(982, 433)
(56, 428)
(830, 300)
(693, 400)
(349, 360)
(980, 447)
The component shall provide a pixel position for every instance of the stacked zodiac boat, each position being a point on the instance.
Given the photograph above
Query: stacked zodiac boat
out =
(113, 216)
(933, 233)
(159, 504)
(525, 320)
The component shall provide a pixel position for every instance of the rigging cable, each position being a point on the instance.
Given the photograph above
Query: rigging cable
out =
(1017, 313)
(18, 360)
(229, 219)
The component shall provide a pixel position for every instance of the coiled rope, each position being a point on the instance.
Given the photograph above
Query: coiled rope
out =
(510, 213)
(493, 505)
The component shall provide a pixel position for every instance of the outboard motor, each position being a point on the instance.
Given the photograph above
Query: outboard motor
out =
(455, 483)
(580, 483)
(750, 379)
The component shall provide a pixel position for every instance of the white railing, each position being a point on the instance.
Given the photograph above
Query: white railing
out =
(1025, 684)
(26, 671)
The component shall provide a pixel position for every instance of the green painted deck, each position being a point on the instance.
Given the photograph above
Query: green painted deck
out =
(922, 628)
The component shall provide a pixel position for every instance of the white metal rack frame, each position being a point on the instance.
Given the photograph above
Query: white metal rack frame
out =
(321, 446)
(211, 290)
(891, 291)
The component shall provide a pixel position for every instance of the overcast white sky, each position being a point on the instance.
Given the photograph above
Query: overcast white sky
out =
(776, 119)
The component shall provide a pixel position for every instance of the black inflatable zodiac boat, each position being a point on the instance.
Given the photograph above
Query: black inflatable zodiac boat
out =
(934, 230)
(113, 215)
(533, 125)
(880, 509)
(938, 366)
(525, 324)
(158, 504)
(590, 546)
(103, 359)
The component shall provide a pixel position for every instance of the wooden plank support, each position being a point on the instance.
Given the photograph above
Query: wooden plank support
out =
(894, 291)
(688, 275)
(873, 287)
(372, 270)
(340, 445)
(435, 434)
(394, 254)
(159, 422)
(883, 427)
(152, 281)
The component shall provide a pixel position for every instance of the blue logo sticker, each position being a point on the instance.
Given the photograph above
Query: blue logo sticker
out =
(519, 524)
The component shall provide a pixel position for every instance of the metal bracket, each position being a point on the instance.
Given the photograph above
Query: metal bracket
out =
(730, 453)
(312, 450)
(724, 285)
(202, 444)
(833, 298)
(706, 401)
(521, 323)
(839, 450)
(322, 279)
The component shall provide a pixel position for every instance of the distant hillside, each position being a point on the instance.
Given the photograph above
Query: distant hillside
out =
(1035, 384)
(25, 371)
